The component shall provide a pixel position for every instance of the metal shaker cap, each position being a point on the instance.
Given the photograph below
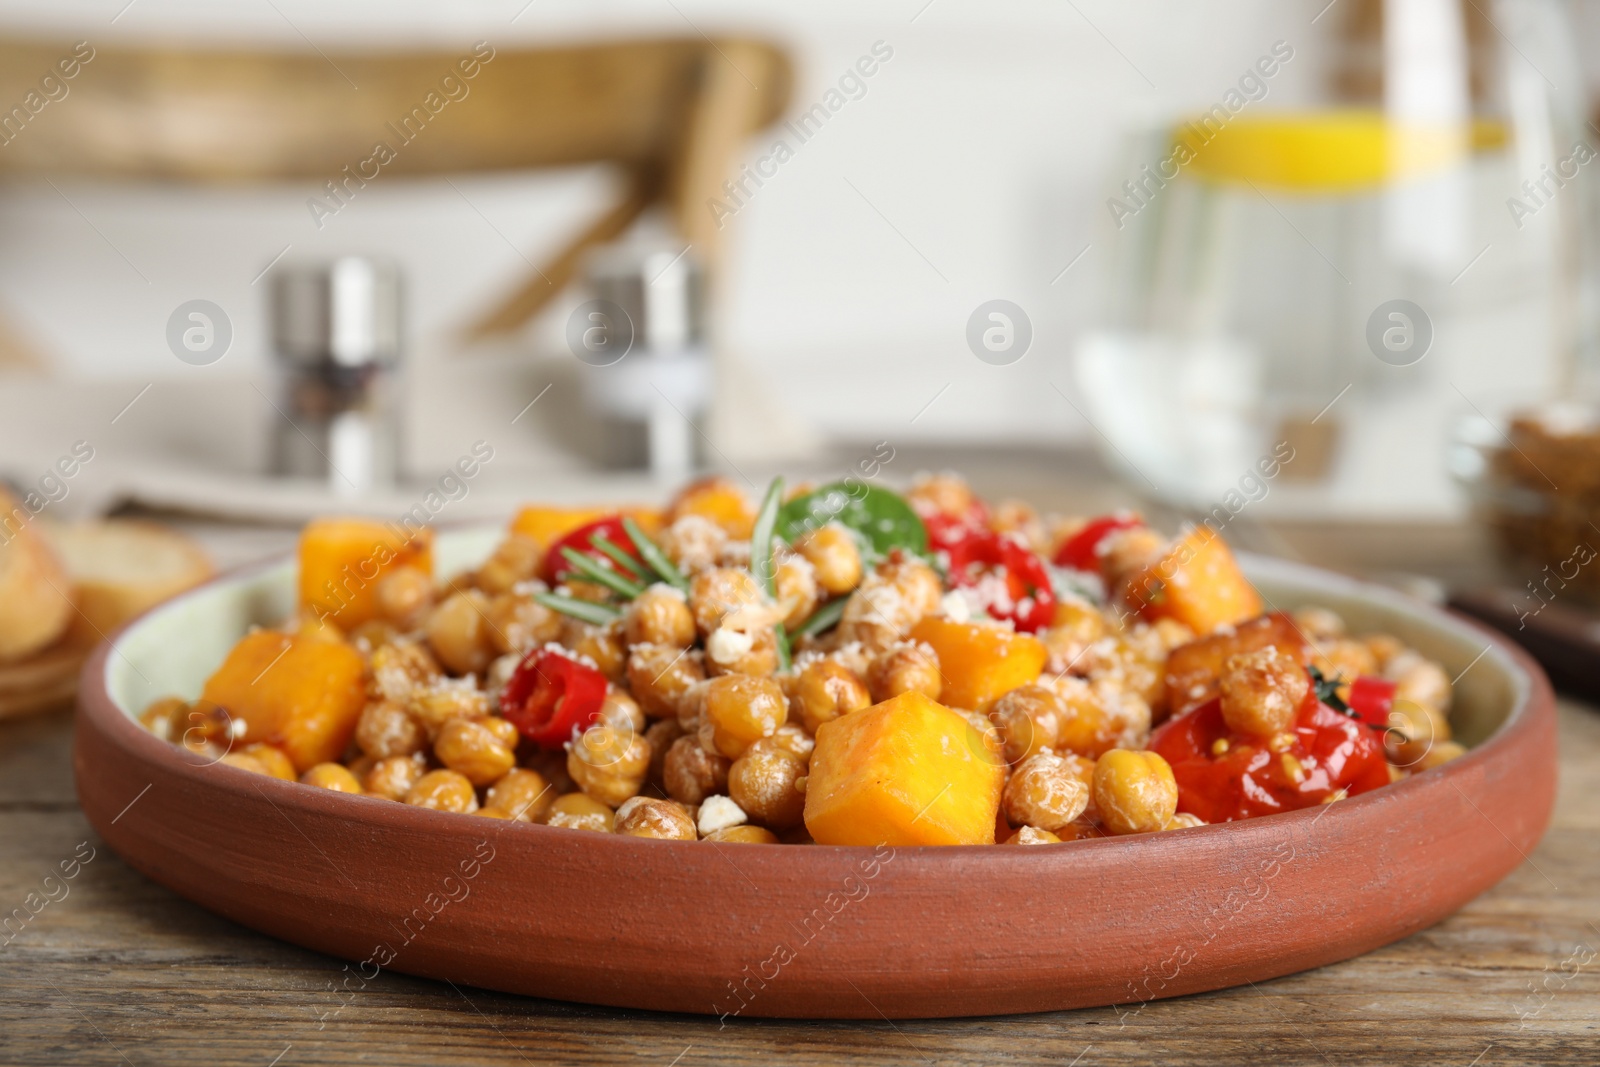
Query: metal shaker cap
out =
(346, 312)
(662, 292)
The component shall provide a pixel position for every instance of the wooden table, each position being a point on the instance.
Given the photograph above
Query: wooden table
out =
(120, 971)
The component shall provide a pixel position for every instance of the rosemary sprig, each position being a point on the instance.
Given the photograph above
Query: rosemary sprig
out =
(632, 568)
(585, 610)
(652, 555)
(588, 568)
(762, 566)
(824, 618)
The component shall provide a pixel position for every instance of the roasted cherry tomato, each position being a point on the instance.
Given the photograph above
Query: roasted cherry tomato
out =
(1224, 776)
(1371, 699)
(582, 540)
(1009, 581)
(550, 696)
(1081, 551)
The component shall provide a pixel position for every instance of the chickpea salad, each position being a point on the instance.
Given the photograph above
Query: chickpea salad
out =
(837, 664)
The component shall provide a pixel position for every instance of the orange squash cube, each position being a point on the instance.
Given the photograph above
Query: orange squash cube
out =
(1198, 583)
(341, 561)
(720, 501)
(544, 526)
(904, 772)
(981, 661)
(301, 694)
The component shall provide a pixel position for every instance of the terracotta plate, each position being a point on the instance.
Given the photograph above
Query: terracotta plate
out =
(772, 930)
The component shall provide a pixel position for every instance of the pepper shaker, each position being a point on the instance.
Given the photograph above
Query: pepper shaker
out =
(336, 337)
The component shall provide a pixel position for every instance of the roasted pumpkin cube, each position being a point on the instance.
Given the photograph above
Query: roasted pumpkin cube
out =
(981, 660)
(300, 693)
(719, 500)
(342, 560)
(1197, 582)
(547, 525)
(1193, 669)
(904, 772)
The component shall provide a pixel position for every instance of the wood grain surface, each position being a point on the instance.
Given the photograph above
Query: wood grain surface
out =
(117, 970)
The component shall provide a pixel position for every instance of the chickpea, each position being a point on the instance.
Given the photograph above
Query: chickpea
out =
(1424, 682)
(732, 652)
(1184, 821)
(717, 593)
(1082, 829)
(1077, 625)
(360, 766)
(1125, 555)
(793, 739)
(692, 707)
(1028, 835)
(273, 758)
(740, 709)
(405, 596)
(206, 728)
(458, 632)
(522, 795)
(659, 675)
(519, 624)
(508, 734)
(942, 494)
(245, 763)
(444, 700)
(576, 811)
(322, 629)
(694, 543)
(1170, 634)
(373, 634)
(1440, 754)
(659, 616)
(663, 820)
(387, 729)
(332, 776)
(742, 835)
(622, 713)
(1021, 519)
(602, 644)
(889, 602)
(1320, 626)
(905, 668)
(609, 765)
(1414, 731)
(1134, 792)
(1262, 691)
(516, 559)
(443, 791)
(1029, 719)
(397, 669)
(1087, 726)
(661, 735)
(393, 776)
(691, 774)
(831, 550)
(1345, 659)
(794, 582)
(1384, 647)
(160, 717)
(1045, 793)
(474, 750)
(762, 782)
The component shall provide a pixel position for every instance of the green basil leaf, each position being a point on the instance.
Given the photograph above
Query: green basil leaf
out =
(882, 518)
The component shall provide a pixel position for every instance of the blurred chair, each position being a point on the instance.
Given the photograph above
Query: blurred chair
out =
(672, 114)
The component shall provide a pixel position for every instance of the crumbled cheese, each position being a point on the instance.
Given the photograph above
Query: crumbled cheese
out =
(729, 646)
(954, 606)
(529, 586)
(719, 813)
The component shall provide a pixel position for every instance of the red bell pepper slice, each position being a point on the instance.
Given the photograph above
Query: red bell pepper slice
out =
(1009, 581)
(1371, 700)
(549, 697)
(556, 567)
(1330, 751)
(1081, 551)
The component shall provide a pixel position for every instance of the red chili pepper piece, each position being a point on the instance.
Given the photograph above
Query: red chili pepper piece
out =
(1330, 751)
(1081, 551)
(550, 696)
(555, 566)
(1009, 581)
(1371, 699)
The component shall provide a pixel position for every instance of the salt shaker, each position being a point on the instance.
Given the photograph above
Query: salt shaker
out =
(336, 335)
